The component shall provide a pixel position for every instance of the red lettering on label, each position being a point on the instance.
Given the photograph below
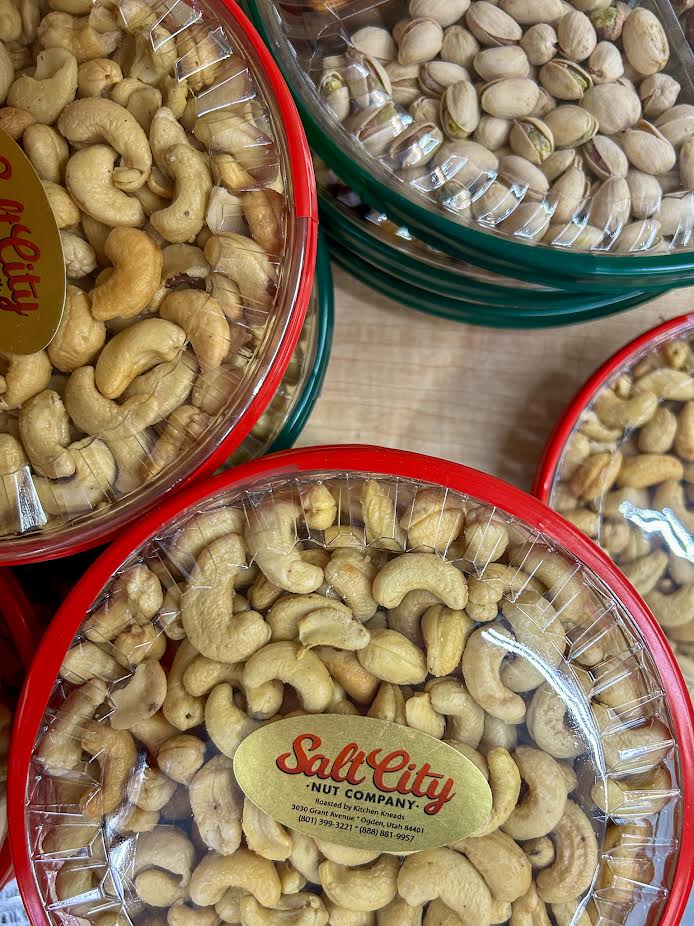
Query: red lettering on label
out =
(18, 254)
(5, 169)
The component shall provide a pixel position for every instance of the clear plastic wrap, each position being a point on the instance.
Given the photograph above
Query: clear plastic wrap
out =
(619, 468)
(203, 306)
(455, 606)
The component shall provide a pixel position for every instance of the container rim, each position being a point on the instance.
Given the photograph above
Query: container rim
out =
(558, 267)
(38, 546)
(542, 486)
(360, 458)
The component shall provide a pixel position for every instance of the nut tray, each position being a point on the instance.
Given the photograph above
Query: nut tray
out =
(618, 466)
(165, 359)
(496, 126)
(358, 578)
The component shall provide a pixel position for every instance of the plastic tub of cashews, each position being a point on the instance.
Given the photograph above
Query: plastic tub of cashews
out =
(618, 466)
(353, 684)
(190, 263)
(385, 255)
(542, 142)
(18, 639)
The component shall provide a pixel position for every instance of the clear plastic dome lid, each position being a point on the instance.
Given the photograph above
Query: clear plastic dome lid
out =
(618, 467)
(353, 681)
(189, 266)
(538, 122)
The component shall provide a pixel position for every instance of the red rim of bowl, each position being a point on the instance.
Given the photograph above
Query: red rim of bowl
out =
(18, 616)
(305, 208)
(57, 638)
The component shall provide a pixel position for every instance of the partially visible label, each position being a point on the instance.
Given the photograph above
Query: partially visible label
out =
(362, 782)
(32, 270)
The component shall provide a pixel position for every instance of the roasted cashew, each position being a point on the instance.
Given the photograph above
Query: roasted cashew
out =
(483, 657)
(204, 322)
(47, 150)
(183, 219)
(150, 789)
(551, 724)
(250, 267)
(529, 910)
(389, 704)
(393, 658)
(180, 708)
(142, 697)
(244, 869)
(92, 36)
(264, 835)
(501, 862)
(497, 583)
(226, 723)
(60, 749)
(576, 858)
(636, 796)
(86, 661)
(271, 541)
(539, 812)
(445, 874)
(137, 268)
(300, 668)
(293, 910)
(78, 255)
(89, 177)
(425, 571)
(540, 852)
(180, 914)
(136, 350)
(433, 521)
(444, 632)
(80, 337)
(166, 848)
(450, 698)
(64, 209)
(319, 507)
(367, 888)
(137, 643)
(287, 612)
(330, 627)
(217, 804)
(485, 539)
(158, 888)
(350, 574)
(24, 376)
(154, 732)
(505, 784)
(347, 670)
(630, 750)
(380, 519)
(135, 597)
(50, 89)
(116, 754)
(180, 757)
(539, 632)
(44, 429)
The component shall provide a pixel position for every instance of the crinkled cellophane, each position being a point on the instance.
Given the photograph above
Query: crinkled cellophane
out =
(120, 471)
(351, 94)
(94, 848)
(624, 479)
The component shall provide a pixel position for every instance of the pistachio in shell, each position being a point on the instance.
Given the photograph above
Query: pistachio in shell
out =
(502, 61)
(494, 205)
(509, 98)
(608, 23)
(639, 236)
(647, 149)
(677, 124)
(605, 158)
(571, 126)
(467, 162)
(569, 192)
(531, 12)
(366, 78)
(605, 65)
(491, 26)
(459, 46)
(577, 37)
(454, 197)
(645, 42)
(676, 217)
(574, 235)
(376, 127)
(589, 6)
(610, 206)
(558, 162)
(670, 182)
(532, 139)
(416, 146)
(374, 42)
(646, 194)
(565, 80)
(687, 164)
(404, 82)
(545, 104)
(519, 172)
(420, 41)
(445, 12)
(528, 220)
(658, 93)
(435, 77)
(540, 44)
(425, 109)
(493, 133)
(335, 92)
(460, 110)
(612, 104)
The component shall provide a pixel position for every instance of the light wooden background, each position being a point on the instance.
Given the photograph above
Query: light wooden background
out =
(485, 397)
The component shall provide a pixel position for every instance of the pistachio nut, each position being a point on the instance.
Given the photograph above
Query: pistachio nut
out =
(540, 44)
(468, 163)
(493, 133)
(460, 110)
(520, 172)
(531, 12)
(565, 80)
(532, 139)
(574, 235)
(374, 42)
(569, 192)
(658, 93)
(577, 37)
(571, 126)
(436, 77)
(555, 165)
(415, 146)
(677, 124)
(425, 109)
(420, 41)
(612, 104)
(610, 206)
(608, 23)
(605, 158)
(670, 181)
(404, 82)
(676, 217)
(454, 196)
(545, 104)
(367, 79)
(645, 42)
(605, 64)
(335, 92)
(589, 6)
(494, 205)
(445, 12)
(639, 236)
(459, 46)
(647, 149)
(502, 61)
(377, 126)
(509, 98)
(399, 28)
(687, 164)
(491, 26)
(528, 220)
(646, 194)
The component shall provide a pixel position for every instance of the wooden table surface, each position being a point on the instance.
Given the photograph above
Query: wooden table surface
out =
(485, 397)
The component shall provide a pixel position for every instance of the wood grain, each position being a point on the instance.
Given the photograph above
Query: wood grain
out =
(485, 397)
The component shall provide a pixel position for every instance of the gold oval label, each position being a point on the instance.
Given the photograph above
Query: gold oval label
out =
(362, 782)
(32, 270)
